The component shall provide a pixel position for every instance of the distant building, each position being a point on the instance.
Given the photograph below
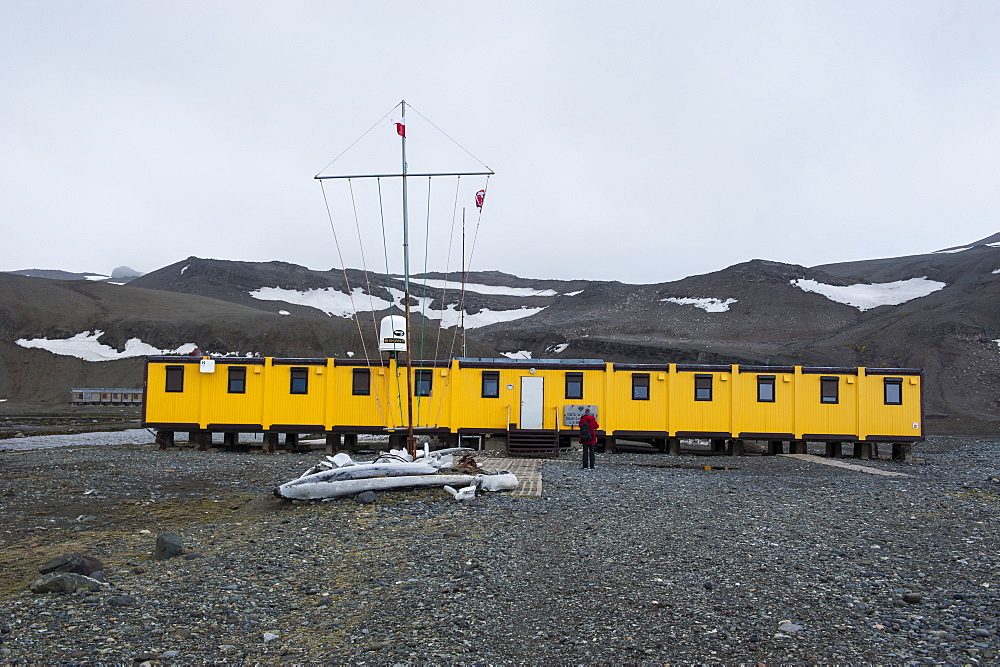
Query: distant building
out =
(105, 396)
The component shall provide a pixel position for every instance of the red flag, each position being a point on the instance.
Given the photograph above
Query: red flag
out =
(480, 196)
(401, 130)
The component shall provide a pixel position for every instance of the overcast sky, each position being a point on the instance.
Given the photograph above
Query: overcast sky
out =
(632, 141)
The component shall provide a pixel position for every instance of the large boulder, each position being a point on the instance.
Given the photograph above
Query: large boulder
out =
(168, 545)
(64, 582)
(76, 563)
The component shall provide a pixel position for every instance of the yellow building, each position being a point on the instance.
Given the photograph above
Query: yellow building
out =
(536, 404)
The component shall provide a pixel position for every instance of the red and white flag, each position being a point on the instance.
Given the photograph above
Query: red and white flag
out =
(480, 196)
(401, 130)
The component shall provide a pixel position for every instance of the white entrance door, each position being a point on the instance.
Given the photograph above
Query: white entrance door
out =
(532, 400)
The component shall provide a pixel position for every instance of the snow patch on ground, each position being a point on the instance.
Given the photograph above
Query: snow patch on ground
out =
(498, 290)
(940, 252)
(350, 354)
(996, 341)
(579, 291)
(520, 354)
(558, 349)
(95, 276)
(708, 305)
(185, 269)
(994, 245)
(865, 296)
(284, 312)
(85, 346)
(997, 271)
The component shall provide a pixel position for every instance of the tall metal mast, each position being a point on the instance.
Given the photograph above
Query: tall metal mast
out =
(411, 443)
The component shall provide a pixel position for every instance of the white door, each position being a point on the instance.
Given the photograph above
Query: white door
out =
(532, 400)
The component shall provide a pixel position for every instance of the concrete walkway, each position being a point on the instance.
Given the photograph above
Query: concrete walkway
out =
(528, 471)
(812, 458)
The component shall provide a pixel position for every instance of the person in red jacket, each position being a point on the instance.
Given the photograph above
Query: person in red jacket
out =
(588, 437)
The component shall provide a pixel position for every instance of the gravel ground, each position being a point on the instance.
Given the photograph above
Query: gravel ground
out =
(637, 561)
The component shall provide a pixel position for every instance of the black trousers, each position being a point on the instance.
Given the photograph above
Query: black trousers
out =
(588, 454)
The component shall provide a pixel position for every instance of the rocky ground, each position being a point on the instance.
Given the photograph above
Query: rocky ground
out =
(638, 561)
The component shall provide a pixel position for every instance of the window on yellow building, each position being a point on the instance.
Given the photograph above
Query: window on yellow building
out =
(765, 388)
(237, 379)
(574, 385)
(491, 384)
(175, 378)
(702, 387)
(361, 382)
(640, 386)
(300, 381)
(829, 390)
(893, 391)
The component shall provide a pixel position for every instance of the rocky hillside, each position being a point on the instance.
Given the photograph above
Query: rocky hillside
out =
(939, 311)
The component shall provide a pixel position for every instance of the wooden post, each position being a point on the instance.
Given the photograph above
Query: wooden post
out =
(834, 450)
(351, 442)
(165, 439)
(270, 442)
(775, 447)
(863, 451)
(902, 451)
(333, 443)
(230, 439)
(291, 441)
(736, 447)
(674, 446)
(718, 445)
(798, 447)
(610, 445)
(203, 438)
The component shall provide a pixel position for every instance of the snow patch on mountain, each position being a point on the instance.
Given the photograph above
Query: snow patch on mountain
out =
(497, 290)
(339, 304)
(865, 296)
(328, 300)
(707, 304)
(941, 252)
(85, 346)
(520, 354)
(579, 291)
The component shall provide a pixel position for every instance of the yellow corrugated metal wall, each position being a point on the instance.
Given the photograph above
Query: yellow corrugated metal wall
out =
(820, 418)
(882, 419)
(688, 414)
(753, 416)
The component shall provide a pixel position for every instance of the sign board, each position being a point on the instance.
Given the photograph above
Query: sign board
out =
(572, 413)
(207, 365)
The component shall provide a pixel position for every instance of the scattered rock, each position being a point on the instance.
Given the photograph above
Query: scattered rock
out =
(913, 598)
(788, 627)
(366, 497)
(168, 545)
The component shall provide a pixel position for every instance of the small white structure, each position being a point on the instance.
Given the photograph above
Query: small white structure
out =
(392, 334)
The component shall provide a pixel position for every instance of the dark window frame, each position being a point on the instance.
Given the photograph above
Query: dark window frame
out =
(700, 389)
(422, 377)
(766, 381)
(361, 382)
(237, 374)
(640, 381)
(298, 373)
(892, 382)
(574, 386)
(825, 396)
(174, 379)
(491, 384)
